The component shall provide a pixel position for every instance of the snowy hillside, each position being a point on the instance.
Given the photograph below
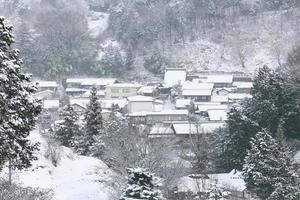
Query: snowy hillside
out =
(75, 177)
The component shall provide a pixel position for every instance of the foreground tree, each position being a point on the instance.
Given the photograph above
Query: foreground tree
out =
(69, 128)
(17, 106)
(141, 185)
(269, 171)
(93, 124)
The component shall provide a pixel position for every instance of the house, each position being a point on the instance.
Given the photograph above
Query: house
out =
(220, 99)
(243, 87)
(174, 76)
(121, 90)
(205, 106)
(234, 97)
(51, 105)
(197, 91)
(79, 108)
(45, 94)
(220, 81)
(232, 182)
(47, 85)
(87, 83)
(182, 103)
(150, 91)
(217, 115)
(75, 92)
(151, 118)
(143, 104)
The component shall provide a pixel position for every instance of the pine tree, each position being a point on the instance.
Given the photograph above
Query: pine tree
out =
(141, 185)
(269, 171)
(69, 128)
(17, 106)
(93, 128)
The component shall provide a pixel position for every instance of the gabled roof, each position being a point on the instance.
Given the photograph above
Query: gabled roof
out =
(187, 85)
(219, 98)
(174, 76)
(220, 78)
(182, 103)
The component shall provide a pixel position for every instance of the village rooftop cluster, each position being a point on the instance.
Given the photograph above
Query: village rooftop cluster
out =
(165, 107)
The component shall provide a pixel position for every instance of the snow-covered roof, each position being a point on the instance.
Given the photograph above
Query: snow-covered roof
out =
(217, 115)
(219, 98)
(206, 107)
(161, 129)
(243, 85)
(201, 128)
(187, 85)
(140, 98)
(219, 78)
(76, 90)
(163, 112)
(146, 90)
(51, 104)
(49, 84)
(74, 80)
(196, 92)
(81, 102)
(229, 181)
(174, 76)
(98, 81)
(107, 103)
(182, 103)
(238, 96)
(124, 85)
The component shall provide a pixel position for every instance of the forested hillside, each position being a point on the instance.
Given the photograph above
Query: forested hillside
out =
(142, 37)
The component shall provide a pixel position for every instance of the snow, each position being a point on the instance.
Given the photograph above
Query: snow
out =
(219, 78)
(50, 84)
(124, 85)
(238, 96)
(97, 23)
(146, 90)
(297, 157)
(163, 112)
(75, 177)
(182, 103)
(206, 107)
(98, 81)
(140, 98)
(196, 92)
(230, 181)
(201, 128)
(51, 104)
(197, 86)
(174, 76)
(219, 98)
(217, 115)
(243, 84)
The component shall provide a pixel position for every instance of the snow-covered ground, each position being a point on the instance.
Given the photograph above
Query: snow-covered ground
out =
(97, 23)
(75, 177)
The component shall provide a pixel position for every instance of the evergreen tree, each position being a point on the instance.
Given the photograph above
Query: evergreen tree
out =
(93, 125)
(69, 128)
(141, 185)
(17, 106)
(268, 170)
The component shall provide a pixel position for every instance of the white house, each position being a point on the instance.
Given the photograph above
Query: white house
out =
(47, 85)
(217, 115)
(148, 91)
(197, 91)
(174, 76)
(143, 104)
(243, 87)
(121, 90)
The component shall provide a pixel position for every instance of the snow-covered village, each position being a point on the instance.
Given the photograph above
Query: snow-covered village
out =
(149, 100)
